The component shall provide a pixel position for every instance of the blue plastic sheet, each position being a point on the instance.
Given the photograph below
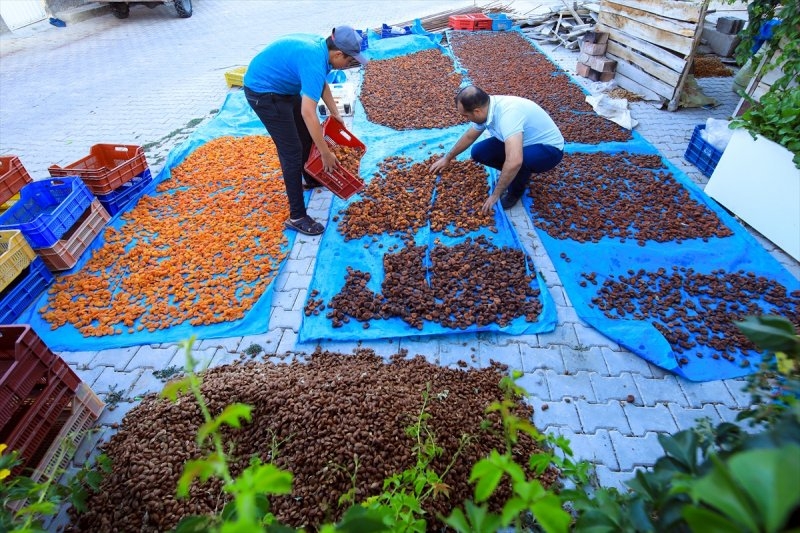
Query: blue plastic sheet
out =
(335, 254)
(234, 118)
(610, 258)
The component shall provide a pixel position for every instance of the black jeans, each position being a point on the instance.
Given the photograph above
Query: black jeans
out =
(280, 114)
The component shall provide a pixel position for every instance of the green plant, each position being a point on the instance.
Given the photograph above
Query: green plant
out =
(253, 350)
(166, 373)
(775, 115)
(25, 503)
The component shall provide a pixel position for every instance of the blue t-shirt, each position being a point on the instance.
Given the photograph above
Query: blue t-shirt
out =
(509, 115)
(293, 64)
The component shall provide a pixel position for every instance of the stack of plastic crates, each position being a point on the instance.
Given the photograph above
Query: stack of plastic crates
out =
(13, 178)
(116, 173)
(45, 409)
(470, 21)
(59, 217)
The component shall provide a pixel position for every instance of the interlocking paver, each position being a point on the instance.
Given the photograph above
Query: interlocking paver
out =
(619, 361)
(700, 394)
(535, 384)
(609, 415)
(595, 447)
(584, 358)
(155, 357)
(646, 419)
(544, 358)
(666, 389)
(636, 451)
(687, 418)
(615, 387)
(119, 358)
(557, 413)
(570, 385)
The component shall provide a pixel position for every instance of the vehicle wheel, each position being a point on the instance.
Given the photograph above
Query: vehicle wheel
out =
(184, 8)
(121, 10)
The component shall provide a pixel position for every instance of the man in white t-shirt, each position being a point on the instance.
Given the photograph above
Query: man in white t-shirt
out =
(524, 140)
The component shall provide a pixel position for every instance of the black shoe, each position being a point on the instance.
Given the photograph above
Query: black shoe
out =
(311, 184)
(509, 200)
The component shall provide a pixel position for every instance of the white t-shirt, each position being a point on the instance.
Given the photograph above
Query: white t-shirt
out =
(509, 115)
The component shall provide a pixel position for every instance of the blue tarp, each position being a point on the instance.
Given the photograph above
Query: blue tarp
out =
(234, 118)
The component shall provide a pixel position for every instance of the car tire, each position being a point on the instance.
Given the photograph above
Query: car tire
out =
(121, 10)
(184, 8)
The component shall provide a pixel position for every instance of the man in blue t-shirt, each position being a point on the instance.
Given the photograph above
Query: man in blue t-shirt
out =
(283, 85)
(524, 139)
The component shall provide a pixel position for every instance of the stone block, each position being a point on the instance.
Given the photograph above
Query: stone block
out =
(722, 44)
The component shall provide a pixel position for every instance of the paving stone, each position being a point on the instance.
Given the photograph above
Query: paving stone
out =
(635, 451)
(295, 281)
(286, 320)
(507, 355)
(149, 357)
(88, 375)
(570, 386)
(542, 358)
(584, 358)
(736, 388)
(147, 383)
(535, 384)
(729, 414)
(687, 418)
(559, 413)
(113, 415)
(595, 447)
(564, 335)
(228, 344)
(663, 390)
(619, 361)
(109, 379)
(117, 357)
(301, 266)
(609, 415)
(426, 346)
(644, 419)
(589, 336)
(288, 341)
(700, 394)
(451, 353)
(286, 299)
(267, 341)
(383, 347)
(614, 387)
(609, 478)
(77, 358)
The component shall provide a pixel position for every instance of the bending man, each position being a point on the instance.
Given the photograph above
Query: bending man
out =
(524, 140)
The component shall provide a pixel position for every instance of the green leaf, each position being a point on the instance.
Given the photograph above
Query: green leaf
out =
(232, 415)
(488, 476)
(719, 490)
(263, 479)
(197, 468)
(174, 388)
(550, 515)
(682, 447)
(476, 520)
(458, 521)
(512, 509)
(538, 462)
(771, 333)
(359, 519)
(194, 524)
(707, 521)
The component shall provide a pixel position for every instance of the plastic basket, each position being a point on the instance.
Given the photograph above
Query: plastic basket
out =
(364, 39)
(106, 167)
(235, 77)
(119, 199)
(45, 409)
(500, 22)
(24, 360)
(47, 209)
(15, 255)
(13, 177)
(24, 290)
(65, 253)
(86, 410)
(340, 182)
(701, 153)
(394, 31)
(470, 21)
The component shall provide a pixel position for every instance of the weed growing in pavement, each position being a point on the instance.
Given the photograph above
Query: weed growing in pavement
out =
(114, 397)
(253, 350)
(166, 374)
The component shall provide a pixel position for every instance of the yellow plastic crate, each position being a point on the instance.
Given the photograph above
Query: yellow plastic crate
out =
(235, 77)
(15, 255)
(8, 203)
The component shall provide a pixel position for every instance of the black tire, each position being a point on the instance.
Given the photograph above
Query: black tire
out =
(121, 10)
(184, 8)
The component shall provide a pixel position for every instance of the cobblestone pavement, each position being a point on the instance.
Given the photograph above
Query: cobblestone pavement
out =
(150, 79)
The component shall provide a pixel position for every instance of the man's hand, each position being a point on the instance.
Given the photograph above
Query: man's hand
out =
(488, 205)
(338, 117)
(437, 166)
(329, 161)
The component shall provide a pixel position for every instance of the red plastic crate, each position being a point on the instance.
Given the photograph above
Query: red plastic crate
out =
(24, 361)
(470, 21)
(85, 410)
(107, 167)
(66, 252)
(13, 177)
(340, 182)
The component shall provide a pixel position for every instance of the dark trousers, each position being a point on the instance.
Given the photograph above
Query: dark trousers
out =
(536, 158)
(280, 114)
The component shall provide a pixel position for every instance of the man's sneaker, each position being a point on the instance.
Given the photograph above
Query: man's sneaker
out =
(508, 200)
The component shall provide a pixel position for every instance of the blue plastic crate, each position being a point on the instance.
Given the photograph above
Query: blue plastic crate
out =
(47, 209)
(364, 39)
(701, 153)
(118, 199)
(389, 31)
(24, 290)
(500, 22)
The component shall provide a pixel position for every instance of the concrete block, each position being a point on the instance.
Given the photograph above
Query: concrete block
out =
(598, 63)
(594, 49)
(582, 69)
(729, 25)
(722, 44)
(595, 37)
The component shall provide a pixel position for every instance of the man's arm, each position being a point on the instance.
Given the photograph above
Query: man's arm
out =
(333, 110)
(308, 109)
(510, 168)
(464, 142)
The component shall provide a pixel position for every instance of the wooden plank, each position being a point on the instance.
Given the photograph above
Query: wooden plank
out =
(643, 78)
(631, 85)
(675, 102)
(668, 40)
(653, 68)
(677, 27)
(652, 51)
(688, 11)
